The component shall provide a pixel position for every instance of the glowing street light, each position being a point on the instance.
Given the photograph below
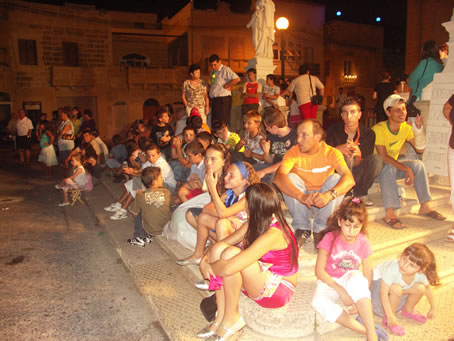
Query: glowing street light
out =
(282, 24)
(338, 13)
(377, 19)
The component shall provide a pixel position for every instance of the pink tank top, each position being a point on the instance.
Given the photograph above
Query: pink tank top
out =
(281, 259)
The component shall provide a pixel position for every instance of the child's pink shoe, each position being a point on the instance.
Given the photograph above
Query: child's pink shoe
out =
(396, 330)
(420, 318)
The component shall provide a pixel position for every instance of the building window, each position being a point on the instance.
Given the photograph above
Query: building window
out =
(347, 67)
(27, 52)
(70, 54)
(3, 57)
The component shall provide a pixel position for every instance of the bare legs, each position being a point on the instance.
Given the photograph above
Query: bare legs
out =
(364, 307)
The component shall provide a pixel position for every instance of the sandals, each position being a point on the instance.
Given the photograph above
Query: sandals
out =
(450, 236)
(206, 332)
(396, 329)
(434, 215)
(382, 335)
(420, 318)
(393, 222)
(237, 326)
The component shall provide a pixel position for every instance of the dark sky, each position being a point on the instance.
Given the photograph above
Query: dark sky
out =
(392, 12)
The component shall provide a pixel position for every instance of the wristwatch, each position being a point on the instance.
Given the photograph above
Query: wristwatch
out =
(333, 193)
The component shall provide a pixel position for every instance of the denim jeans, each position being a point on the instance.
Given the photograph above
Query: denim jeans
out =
(302, 214)
(268, 178)
(365, 174)
(390, 174)
(180, 172)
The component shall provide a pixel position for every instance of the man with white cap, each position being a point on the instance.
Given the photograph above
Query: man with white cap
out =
(390, 136)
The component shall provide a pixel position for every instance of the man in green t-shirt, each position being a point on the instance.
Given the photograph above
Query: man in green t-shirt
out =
(390, 136)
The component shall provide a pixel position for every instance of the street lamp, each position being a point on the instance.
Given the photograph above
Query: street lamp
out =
(282, 25)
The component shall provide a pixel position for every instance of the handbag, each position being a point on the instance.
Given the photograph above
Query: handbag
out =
(208, 307)
(315, 99)
(412, 111)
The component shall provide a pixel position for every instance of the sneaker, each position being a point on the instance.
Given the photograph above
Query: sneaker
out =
(137, 241)
(57, 186)
(366, 201)
(148, 239)
(64, 204)
(120, 214)
(301, 236)
(113, 208)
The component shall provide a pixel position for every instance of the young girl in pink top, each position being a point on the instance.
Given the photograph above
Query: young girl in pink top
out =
(260, 259)
(344, 271)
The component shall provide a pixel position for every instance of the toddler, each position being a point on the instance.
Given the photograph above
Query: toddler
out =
(77, 180)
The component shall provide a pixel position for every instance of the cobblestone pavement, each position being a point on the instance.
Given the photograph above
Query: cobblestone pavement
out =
(60, 279)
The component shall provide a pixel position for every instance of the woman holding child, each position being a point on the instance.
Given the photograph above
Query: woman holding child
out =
(226, 211)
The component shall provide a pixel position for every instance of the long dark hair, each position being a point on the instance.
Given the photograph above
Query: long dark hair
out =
(431, 51)
(263, 205)
(421, 255)
(348, 209)
(219, 147)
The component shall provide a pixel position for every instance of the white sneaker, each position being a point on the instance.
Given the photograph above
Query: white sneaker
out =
(366, 201)
(201, 285)
(120, 214)
(64, 204)
(113, 208)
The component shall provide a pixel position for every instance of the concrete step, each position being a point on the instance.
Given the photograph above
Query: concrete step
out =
(295, 321)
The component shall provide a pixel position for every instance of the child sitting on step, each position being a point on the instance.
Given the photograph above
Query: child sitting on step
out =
(260, 259)
(77, 180)
(343, 249)
(154, 159)
(400, 284)
(151, 209)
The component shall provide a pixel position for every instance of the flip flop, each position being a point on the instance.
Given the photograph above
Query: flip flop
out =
(420, 318)
(450, 236)
(393, 222)
(395, 330)
(434, 215)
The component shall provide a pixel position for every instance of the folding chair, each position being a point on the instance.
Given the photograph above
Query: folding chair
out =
(76, 196)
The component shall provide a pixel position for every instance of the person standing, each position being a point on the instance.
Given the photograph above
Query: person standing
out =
(24, 127)
(195, 93)
(65, 136)
(381, 92)
(222, 81)
(11, 128)
(305, 86)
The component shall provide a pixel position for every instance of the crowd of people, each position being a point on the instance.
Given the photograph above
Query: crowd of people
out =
(216, 189)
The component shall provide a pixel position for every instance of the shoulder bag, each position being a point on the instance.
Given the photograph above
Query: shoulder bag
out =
(315, 99)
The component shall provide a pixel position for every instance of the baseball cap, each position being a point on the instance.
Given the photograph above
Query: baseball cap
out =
(392, 100)
(195, 112)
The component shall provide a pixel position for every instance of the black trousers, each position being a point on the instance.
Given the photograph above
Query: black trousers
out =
(220, 109)
(365, 173)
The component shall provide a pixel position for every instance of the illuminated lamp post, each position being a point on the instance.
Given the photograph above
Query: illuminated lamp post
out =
(282, 24)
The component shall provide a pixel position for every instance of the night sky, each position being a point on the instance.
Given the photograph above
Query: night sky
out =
(391, 12)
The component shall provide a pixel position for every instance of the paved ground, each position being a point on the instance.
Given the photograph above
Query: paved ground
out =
(60, 279)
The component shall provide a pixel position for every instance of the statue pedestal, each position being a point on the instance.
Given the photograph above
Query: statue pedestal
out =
(264, 66)
(438, 128)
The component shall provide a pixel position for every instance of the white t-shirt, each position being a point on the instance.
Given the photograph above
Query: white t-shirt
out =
(166, 171)
(23, 126)
(271, 91)
(301, 87)
(389, 272)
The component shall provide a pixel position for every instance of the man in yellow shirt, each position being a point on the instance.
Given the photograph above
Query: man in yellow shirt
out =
(313, 177)
(390, 136)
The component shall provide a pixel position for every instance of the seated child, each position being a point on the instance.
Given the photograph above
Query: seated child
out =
(195, 120)
(343, 271)
(180, 164)
(399, 285)
(137, 157)
(47, 156)
(154, 159)
(204, 138)
(77, 180)
(279, 140)
(151, 209)
(162, 133)
(223, 135)
(194, 184)
(118, 154)
(253, 137)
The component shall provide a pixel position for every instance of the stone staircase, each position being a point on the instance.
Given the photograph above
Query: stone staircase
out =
(170, 289)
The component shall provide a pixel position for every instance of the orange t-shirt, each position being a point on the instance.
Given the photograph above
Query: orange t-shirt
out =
(313, 169)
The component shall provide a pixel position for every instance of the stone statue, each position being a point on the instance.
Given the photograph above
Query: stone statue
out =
(262, 25)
